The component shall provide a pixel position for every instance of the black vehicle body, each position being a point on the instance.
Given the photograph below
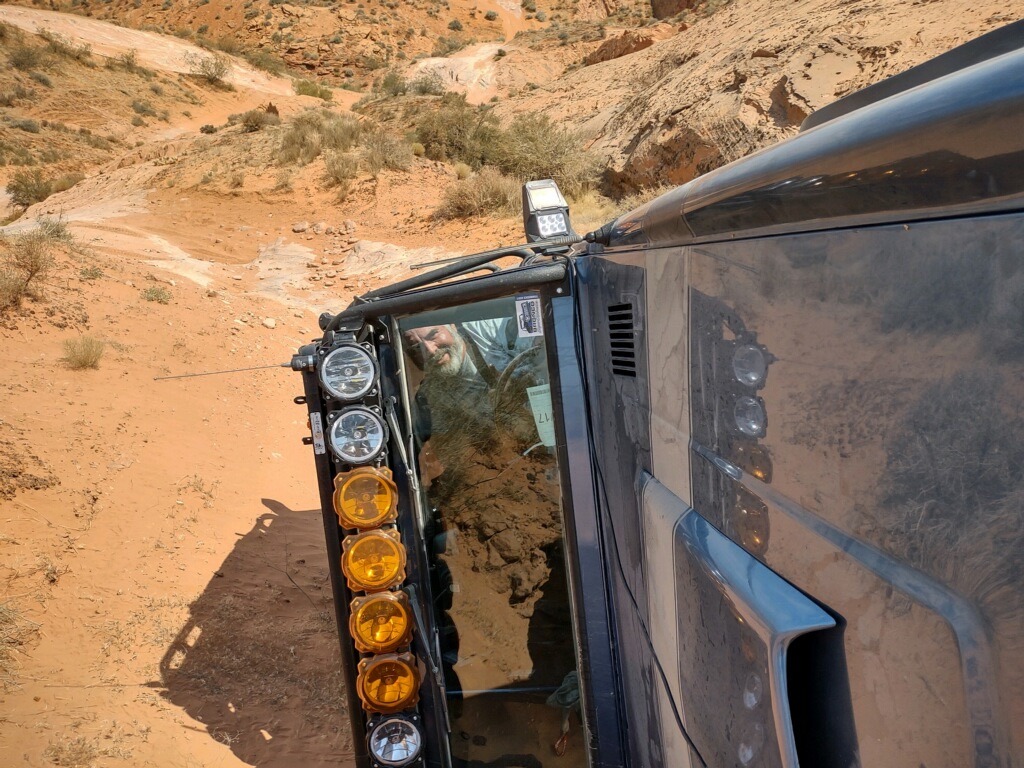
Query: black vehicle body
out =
(851, 558)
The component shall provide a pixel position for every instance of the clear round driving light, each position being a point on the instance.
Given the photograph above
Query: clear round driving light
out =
(348, 372)
(395, 741)
(358, 436)
(750, 416)
(749, 365)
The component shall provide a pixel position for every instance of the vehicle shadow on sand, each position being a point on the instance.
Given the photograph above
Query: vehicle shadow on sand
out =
(257, 661)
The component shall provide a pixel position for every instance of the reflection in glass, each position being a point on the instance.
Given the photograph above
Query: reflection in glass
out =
(483, 414)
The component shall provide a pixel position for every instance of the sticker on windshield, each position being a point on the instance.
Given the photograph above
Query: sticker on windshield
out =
(543, 413)
(528, 316)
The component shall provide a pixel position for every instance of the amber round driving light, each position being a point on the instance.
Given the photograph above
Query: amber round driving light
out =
(348, 372)
(365, 498)
(749, 522)
(358, 435)
(380, 623)
(388, 683)
(373, 561)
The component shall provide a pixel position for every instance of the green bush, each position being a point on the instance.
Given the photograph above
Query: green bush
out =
(393, 84)
(427, 84)
(213, 68)
(26, 58)
(266, 61)
(457, 130)
(28, 187)
(156, 293)
(311, 88)
(535, 148)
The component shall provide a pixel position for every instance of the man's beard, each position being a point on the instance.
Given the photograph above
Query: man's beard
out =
(446, 367)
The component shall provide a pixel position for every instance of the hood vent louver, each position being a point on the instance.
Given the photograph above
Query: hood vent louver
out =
(622, 339)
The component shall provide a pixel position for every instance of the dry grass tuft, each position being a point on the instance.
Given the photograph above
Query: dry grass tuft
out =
(83, 352)
(488, 192)
(15, 631)
(314, 132)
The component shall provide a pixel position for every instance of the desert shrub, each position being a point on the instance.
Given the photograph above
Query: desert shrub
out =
(12, 97)
(445, 46)
(28, 187)
(208, 128)
(535, 148)
(462, 171)
(27, 125)
(83, 352)
(266, 61)
(488, 192)
(393, 84)
(26, 57)
(418, 149)
(530, 6)
(62, 46)
(455, 25)
(156, 293)
(237, 180)
(491, 16)
(213, 68)
(312, 88)
(458, 131)
(427, 84)
(28, 257)
(383, 151)
(54, 230)
(142, 107)
(257, 119)
(12, 289)
(315, 131)
(341, 171)
(90, 273)
(501, 53)
(137, 121)
(42, 79)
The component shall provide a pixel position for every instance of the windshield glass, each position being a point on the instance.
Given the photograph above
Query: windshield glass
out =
(481, 407)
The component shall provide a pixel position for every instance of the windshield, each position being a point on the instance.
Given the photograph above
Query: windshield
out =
(481, 406)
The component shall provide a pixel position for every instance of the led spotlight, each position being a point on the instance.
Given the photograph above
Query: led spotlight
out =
(348, 372)
(365, 498)
(395, 741)
(358, 435)
(545, 212)
(373, 560)
(380, 623)
(388, 683)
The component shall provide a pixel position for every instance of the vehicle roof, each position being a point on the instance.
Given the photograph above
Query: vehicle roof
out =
(952, 145)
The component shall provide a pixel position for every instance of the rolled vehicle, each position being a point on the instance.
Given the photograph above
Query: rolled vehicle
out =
(735, 480)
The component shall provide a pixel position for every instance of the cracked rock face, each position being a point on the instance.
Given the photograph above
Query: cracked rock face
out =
(694, 97)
